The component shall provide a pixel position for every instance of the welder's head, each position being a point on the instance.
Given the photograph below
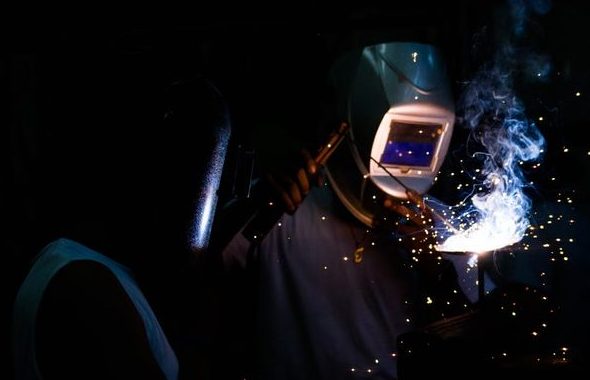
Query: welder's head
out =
(397, 99)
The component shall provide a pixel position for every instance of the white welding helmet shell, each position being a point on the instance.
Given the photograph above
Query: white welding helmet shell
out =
(397, 99)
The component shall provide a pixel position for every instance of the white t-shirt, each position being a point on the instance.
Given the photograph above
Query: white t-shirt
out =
(50, 260)
(320, 314)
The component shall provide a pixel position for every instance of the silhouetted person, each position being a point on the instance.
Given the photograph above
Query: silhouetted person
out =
(131, 206)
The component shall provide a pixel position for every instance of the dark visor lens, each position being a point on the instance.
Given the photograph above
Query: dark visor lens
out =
(411, 144)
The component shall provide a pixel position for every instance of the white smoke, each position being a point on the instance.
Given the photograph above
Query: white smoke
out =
(489, 107)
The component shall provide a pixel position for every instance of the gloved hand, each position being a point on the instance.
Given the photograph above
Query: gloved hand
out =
(292, 179)
(414, 223)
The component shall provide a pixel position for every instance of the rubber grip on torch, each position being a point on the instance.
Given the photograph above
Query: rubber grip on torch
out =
(272, 211)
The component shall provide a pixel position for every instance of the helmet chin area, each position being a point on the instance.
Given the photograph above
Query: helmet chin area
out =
(409, 148)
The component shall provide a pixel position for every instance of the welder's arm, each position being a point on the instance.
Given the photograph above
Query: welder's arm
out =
(292, 177)
(290, 183)
(287, 172)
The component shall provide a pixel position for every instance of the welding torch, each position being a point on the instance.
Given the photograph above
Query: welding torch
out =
(256, 214)
(269, 215)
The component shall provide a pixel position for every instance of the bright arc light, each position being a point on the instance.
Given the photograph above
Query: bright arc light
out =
(478, 239)
(498, 214)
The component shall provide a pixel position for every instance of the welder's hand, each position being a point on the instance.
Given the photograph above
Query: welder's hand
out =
(414, 216)
(291, 181)
(437, 275)
(415, 226)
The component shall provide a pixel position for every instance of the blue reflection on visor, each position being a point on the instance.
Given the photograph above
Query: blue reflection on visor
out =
(408, 154)
(411, 144)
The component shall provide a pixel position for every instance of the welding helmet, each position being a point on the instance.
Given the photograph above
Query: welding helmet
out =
(397, 100)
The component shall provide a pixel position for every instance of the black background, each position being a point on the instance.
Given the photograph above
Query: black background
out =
(78, 87)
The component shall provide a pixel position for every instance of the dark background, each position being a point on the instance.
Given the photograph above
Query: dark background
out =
(77, 92)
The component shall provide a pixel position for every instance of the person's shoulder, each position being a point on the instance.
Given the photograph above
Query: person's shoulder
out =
(85, 286)
(71, 248)
(64, 250)
(99, 331)
(83, 276)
